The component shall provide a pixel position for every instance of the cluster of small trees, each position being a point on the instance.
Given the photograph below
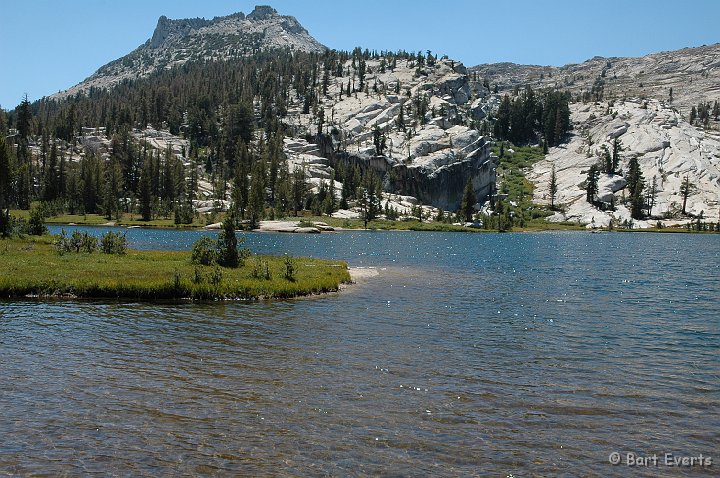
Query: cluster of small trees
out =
(641, 196)
(701, 114)
(639, 200)
(77, 242)
(527, 116)
(224, 251)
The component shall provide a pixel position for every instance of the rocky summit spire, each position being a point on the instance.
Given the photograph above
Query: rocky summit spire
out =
(262, 12)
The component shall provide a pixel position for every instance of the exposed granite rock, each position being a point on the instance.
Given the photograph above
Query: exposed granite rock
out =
(691, 72)
(667, 148)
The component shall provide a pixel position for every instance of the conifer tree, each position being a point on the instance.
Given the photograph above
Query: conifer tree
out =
(227, 243)
(617, 149)
(652, 195)
(256, 198)
(146, 197)
(299, 188)
(553, 187)
(686, 189)
(468, 202)
(52, 188)
(113, 189)
(24, 119)
(635, 185)
(591, 187)
(6, 182)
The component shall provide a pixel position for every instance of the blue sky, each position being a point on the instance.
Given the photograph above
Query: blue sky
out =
(47, 46)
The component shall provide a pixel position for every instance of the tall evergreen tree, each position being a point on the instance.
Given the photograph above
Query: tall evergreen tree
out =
(467, 206)
(256, 197)
(145, 193)
(7, 173)
(591, 187)
(24, 119)
(553, 187)
(113, 190)
(227, 243)
(52, 187)
(635, 185)
(617, 149)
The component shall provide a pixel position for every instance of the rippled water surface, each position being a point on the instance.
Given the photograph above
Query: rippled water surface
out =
(469, 354)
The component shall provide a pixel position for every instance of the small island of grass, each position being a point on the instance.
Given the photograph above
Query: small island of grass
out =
(35, 266)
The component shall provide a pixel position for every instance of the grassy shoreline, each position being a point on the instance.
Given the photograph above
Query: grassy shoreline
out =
(32, 268)
(532, 225)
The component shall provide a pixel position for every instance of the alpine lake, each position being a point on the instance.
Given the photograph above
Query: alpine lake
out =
(523, 354)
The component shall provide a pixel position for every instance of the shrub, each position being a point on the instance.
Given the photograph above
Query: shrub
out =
(215, 276)
(261, 270)
(36, 224)
(113, 243)
(224, 251)
(89, 243)
(184, 214)
(197, 275)
(289, 268)
(62, 244)
(204, 251)
(77, 242)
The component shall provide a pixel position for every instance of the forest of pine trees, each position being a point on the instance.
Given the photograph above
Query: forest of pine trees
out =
(217, 107)
(529, 117)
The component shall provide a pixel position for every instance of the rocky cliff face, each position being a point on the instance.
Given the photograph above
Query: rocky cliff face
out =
(175, 42)
(422, 115)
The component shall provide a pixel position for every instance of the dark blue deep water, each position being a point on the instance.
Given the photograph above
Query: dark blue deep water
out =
(468, 354)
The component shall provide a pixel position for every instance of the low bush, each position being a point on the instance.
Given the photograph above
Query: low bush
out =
(36, 224)
(204, 251)
(113, 243)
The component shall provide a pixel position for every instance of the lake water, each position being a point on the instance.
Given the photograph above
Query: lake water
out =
(469, 354)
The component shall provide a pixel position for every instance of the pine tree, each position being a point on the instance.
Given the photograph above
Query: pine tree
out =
(637, 200)
(652, 195)
(468, 202)
(635, 185)
(553, 187)
(634, 176)
(6, 182)
(686, 189)
(24, 119)
(607, 159)
(146, 196)
(299, 188)
(379, 141)
(52, 189)
(256, 198)
(617, 149)
(62, 176)
(400, 120)
(592, 184)
(113, 189)
(74, 191)
(227, 243)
